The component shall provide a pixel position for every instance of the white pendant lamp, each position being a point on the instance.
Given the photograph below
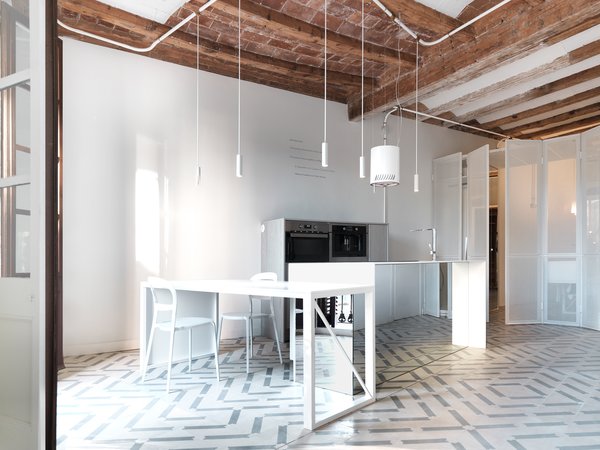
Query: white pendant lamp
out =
(238, 157)
(385, 160)
(324, 146)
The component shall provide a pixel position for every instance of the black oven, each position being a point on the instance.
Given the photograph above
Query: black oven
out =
(349, 242)
(306, 242)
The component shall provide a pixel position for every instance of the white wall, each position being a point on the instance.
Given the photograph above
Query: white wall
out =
(132, 207)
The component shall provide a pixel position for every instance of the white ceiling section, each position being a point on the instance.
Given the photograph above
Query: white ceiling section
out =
(157, 10)
(451, 8)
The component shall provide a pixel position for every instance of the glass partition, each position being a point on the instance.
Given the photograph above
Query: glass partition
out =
(523, 252)
(447, 206)
(590, 212)
(561, 293)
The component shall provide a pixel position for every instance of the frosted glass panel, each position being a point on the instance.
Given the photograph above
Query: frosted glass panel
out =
(590, 186)
(591, 292)
(561, 291)
(523, 235)
(561, 194)
(478, 203)
(523, 184)
(447, 205)
(590, 171)
(522, 295)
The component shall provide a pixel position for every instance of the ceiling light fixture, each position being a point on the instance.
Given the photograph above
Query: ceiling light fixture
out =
(416, 178)
(385, 160)
(324, 146)
(361, 161)
(238, 157)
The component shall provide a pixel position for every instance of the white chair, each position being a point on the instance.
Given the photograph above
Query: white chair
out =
(250, 315)
(164, 318)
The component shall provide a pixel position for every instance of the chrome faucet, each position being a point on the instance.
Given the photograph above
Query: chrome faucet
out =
(433, 244)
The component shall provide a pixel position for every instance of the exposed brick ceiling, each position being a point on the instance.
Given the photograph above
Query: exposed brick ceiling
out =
(530, 69)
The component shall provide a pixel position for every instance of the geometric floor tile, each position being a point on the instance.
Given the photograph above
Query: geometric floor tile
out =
(534, 387)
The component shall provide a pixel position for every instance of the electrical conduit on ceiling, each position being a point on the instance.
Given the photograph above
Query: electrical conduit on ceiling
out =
(447, 35)
(130, 47)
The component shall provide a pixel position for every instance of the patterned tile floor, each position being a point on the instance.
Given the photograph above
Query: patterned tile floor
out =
(534, 387)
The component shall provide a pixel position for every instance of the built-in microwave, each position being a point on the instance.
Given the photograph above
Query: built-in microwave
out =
(348, 242)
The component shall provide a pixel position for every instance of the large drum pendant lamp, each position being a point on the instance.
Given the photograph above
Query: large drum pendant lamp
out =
(385, 165)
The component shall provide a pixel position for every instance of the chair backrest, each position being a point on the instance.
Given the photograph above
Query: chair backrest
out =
(263, 276)
(164, 296)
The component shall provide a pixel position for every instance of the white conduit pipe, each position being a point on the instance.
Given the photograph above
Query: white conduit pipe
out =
(452, 122)
(447, 35)
(137, 49)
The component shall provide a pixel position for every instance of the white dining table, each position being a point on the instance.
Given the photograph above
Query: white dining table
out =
(209, 291)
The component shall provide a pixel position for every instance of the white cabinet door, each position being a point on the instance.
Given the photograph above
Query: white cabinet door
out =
(430, 288)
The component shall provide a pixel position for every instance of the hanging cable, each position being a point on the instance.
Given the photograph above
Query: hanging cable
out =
(416, 178)
(238, 157)
(324, 145)
(361, 162)
(198, 168)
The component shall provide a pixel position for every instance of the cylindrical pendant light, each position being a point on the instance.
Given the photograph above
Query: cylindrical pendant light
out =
(385, 160)
(324, 146)
(238, 157)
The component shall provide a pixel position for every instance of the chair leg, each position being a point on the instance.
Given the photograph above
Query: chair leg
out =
(275, 329)
(216, 333)
(277, 340)
(189, 350)
(170, 361)
(247, 346)
(147, 357)
(251, 329)
(218, 346)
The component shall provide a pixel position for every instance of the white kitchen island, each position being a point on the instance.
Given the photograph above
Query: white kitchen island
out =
(404, 289)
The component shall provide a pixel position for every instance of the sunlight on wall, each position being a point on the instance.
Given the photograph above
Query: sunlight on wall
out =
(147, 220)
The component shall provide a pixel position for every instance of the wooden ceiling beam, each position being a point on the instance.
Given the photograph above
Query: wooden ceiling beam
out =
(522, 130)
(570, 128)
(573, 57)
(281, 24)
(540, 91)
(507, 40)
(543, 109)
(426, 22)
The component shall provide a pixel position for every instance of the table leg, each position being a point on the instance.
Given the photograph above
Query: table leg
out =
(292, 308)
(309, 361)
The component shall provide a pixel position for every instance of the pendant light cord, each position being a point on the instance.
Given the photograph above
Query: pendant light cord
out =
(362, 85)
(198, 100)
(325, 80)
(416, 184)
(239, 75)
